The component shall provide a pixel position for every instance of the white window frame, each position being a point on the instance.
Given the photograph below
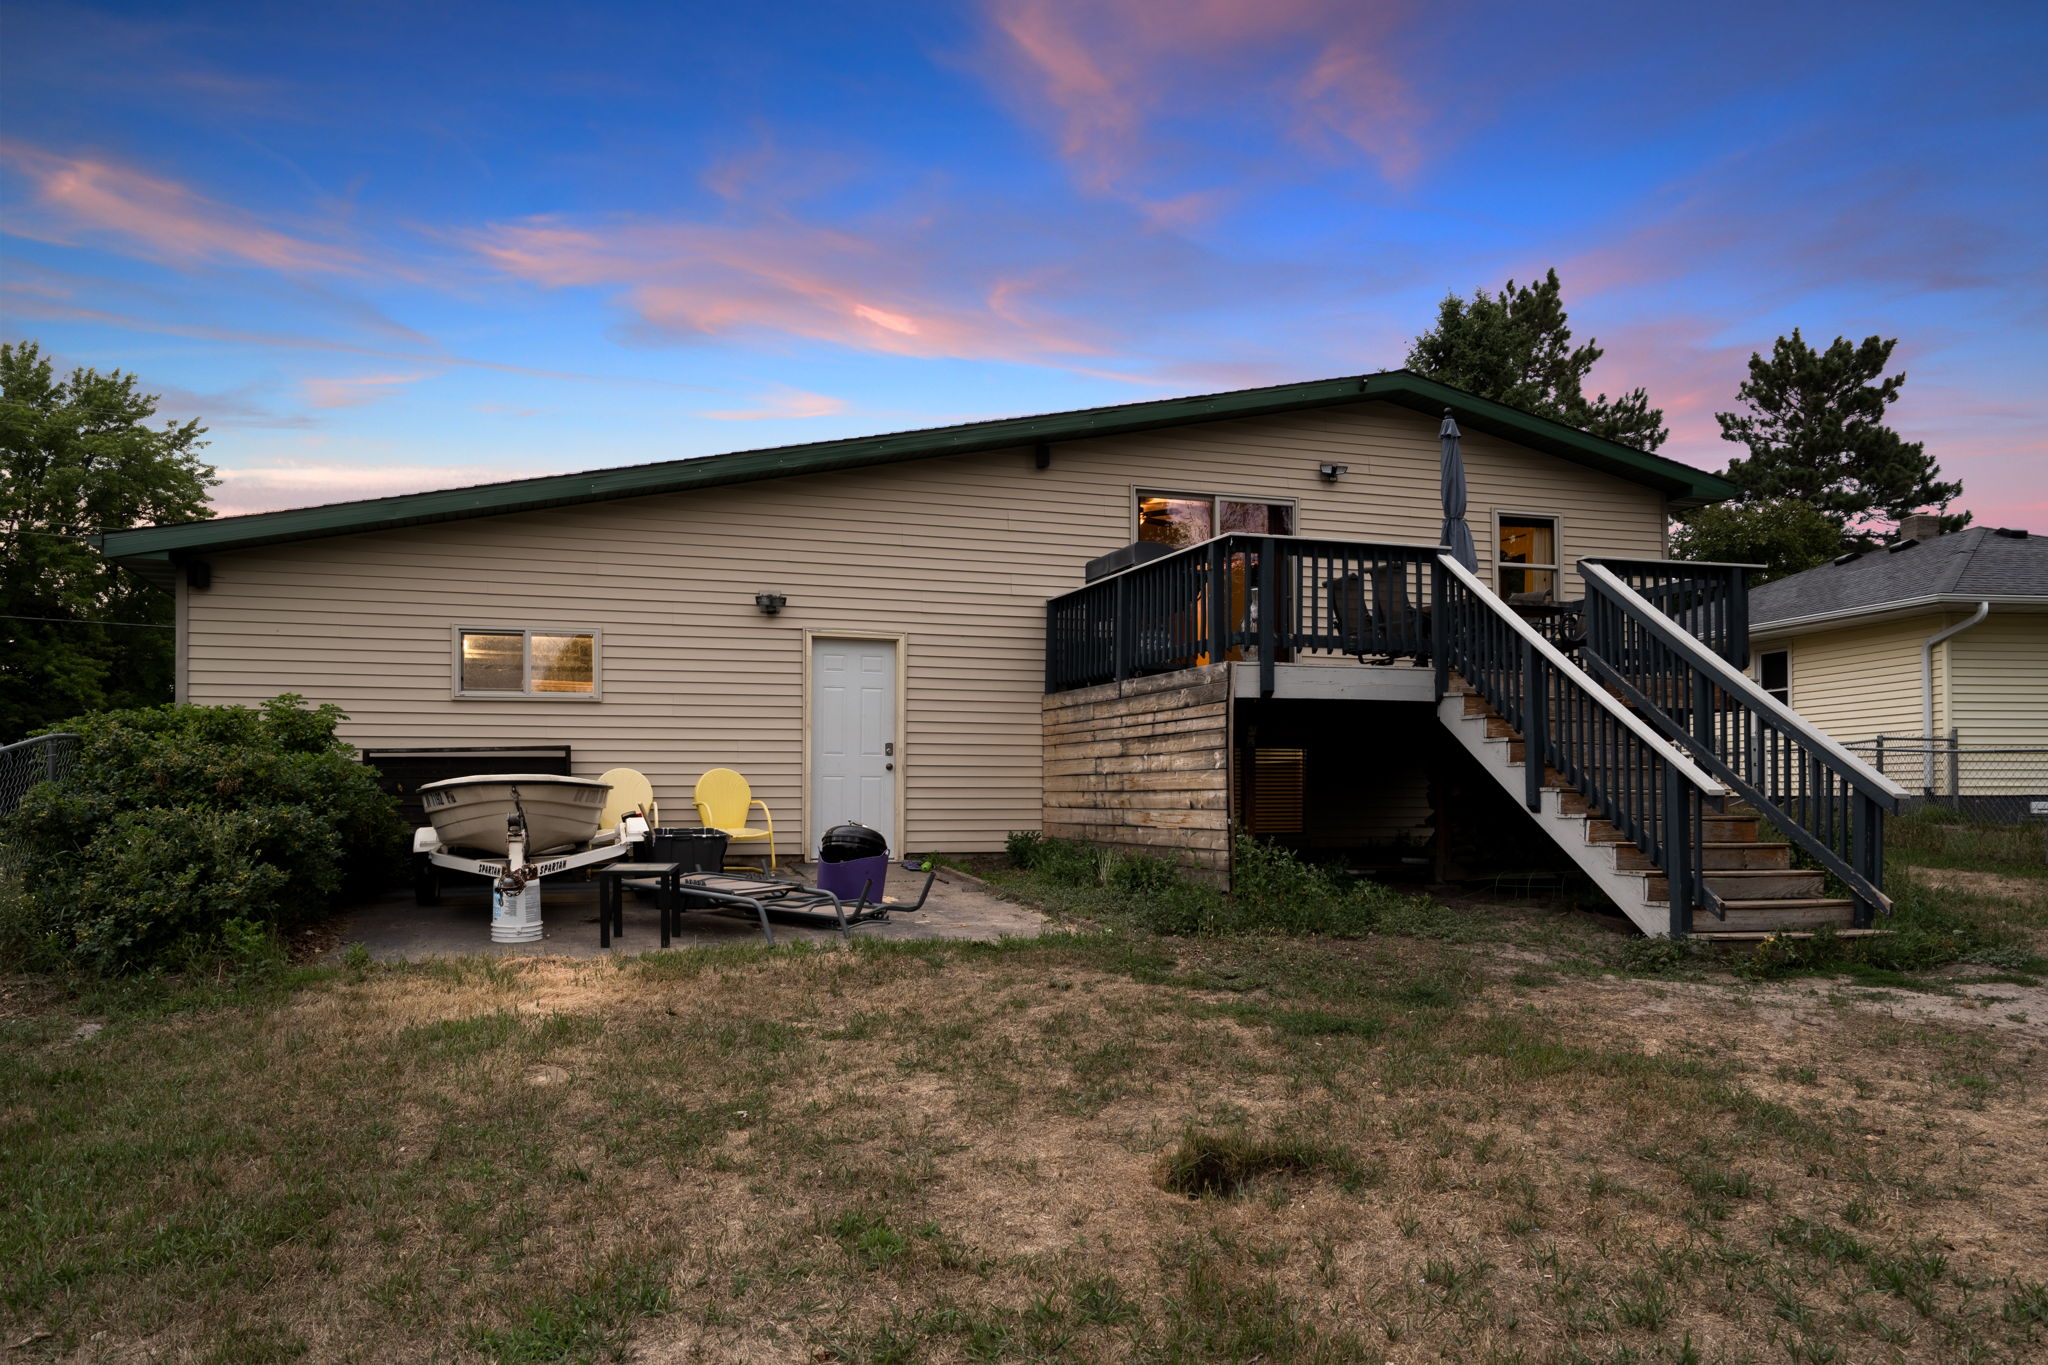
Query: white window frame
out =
(526, 692)
(1216, 501)
(1761, 655)
(1557, 533)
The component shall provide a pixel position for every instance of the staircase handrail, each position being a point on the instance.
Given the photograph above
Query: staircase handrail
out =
(1671, 753)
(1828, 802)
(1866, 778)
(1644, 786)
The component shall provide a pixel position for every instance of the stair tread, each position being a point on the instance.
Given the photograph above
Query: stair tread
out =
(1815, 903)
(1758, 935)
(1756, 872)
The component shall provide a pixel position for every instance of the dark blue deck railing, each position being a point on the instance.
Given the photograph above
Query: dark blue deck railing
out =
(1242, 597)
(1629, 775)
(1824, 799)
(1709, 602)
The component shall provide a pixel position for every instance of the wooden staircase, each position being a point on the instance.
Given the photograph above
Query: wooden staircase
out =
(1761, 892)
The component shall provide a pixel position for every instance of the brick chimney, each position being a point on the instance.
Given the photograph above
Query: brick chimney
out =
(1918, 526)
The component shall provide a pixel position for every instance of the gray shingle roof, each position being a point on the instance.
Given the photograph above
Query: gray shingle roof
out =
(1978, 562)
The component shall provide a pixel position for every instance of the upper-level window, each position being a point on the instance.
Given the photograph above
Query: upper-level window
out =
(1179, 519)
(1528, 553)
(515, 661)
(1774, 673)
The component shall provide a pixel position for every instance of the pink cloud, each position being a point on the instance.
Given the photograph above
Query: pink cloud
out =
(23, 303)
(311, 483)
(355, 391)
(872, 292)
(1104, 73)
(1352, 92)
(158, 219)
(783, 402)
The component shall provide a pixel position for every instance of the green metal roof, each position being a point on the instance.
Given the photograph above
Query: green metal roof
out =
(153, 547)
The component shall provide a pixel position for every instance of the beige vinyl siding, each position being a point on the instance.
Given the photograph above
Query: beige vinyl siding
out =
(956, 554)
(2000, 696)
(1858, 683)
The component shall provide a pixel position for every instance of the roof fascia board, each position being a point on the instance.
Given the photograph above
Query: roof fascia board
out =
(1684, 485)
(1888, 611)
(1687, 487)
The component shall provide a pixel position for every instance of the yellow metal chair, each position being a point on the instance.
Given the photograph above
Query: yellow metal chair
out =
(724, 801)
(630, 792)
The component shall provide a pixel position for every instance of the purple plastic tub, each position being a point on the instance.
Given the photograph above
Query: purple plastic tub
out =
(846, 879)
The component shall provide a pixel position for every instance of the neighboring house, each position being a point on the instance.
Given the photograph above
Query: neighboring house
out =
(1941, 637)
(861, 626)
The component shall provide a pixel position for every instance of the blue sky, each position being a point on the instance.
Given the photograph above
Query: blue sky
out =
(377, 249)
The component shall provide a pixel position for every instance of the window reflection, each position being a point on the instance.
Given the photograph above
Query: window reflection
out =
(1180, 519)
(493, 663)
(562, 663)
(1173, 521)
(1528, 554)
(525, 663)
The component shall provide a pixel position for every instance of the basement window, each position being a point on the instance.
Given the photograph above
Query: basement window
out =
(1774, 673)
(1528, 553)
(515, 661)
(1180, 519)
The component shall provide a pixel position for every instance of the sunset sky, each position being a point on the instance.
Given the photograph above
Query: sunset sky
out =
(379, 248)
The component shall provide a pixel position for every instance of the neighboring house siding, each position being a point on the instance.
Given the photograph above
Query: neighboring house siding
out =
(1862, 682)
(2000, 695)
(957, 555)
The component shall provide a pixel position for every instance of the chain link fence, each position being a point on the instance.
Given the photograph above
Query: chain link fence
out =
(46, 758)
(1984, 781)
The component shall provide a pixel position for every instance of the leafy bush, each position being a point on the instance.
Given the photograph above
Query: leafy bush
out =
(194, 829)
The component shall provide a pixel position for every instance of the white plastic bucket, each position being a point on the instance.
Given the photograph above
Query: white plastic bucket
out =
(515, 915)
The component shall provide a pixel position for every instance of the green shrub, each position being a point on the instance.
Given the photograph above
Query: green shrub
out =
(1274, 891)
(188, 830)
(1929, 928)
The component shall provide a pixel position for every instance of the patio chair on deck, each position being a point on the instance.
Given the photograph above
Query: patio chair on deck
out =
(724, 801)
(1374, 616)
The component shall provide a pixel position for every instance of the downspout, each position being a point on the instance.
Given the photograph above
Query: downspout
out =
(1927, 691)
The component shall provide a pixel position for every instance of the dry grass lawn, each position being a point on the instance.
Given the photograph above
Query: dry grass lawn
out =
(1096, 1147)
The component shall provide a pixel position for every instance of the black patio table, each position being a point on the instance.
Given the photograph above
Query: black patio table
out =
(611, 911)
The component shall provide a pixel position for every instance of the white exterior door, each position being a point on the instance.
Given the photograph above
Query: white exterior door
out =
(853, 737)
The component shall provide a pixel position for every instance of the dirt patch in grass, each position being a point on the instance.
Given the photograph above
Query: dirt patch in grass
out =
(1095, 1148)
(1995, 885)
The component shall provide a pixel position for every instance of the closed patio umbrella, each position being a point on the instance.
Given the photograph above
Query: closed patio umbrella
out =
(1456, 533)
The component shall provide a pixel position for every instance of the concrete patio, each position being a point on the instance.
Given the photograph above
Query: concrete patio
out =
(394, 929)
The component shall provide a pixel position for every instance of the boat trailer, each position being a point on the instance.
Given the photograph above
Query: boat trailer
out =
(515, 880)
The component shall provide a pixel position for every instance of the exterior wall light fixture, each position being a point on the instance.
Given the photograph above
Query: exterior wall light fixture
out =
(1331, 472)
(770, 602)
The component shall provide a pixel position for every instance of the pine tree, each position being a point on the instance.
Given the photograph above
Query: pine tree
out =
(1515, 348)
(1815, 431)
(78, 456)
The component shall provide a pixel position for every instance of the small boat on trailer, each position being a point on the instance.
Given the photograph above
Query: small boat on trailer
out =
(474, 812)
(514, 829)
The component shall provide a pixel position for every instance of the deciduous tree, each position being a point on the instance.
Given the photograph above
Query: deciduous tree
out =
(79, 455)
(1783, 534)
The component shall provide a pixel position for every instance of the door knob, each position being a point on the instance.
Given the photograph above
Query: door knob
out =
(891, 767)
